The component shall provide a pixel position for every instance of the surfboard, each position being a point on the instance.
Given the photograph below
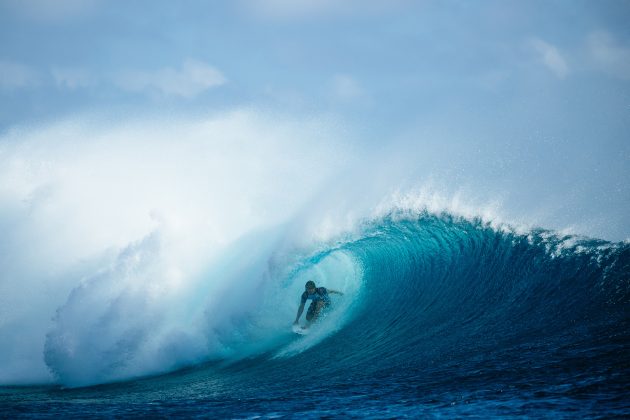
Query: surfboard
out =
(299, 330)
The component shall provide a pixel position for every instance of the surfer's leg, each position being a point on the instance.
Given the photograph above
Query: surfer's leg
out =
(315, 311)
(311, 312)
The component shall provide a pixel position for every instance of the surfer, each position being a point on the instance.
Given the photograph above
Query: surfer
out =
(320, 300)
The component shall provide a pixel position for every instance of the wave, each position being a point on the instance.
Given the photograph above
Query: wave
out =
(420, 289)
(442, 286)
(127, 254)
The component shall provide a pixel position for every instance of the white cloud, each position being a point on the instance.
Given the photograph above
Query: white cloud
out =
(192, 79)
(346, 88)
(607, 55)
(72, 78)
(551, 57)
(17, 76)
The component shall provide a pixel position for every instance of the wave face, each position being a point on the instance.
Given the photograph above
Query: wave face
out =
(441, 315)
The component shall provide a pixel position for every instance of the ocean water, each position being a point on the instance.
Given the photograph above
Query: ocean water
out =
(442, 316)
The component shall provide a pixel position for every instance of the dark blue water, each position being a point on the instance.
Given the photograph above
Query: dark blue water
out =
(454, 318)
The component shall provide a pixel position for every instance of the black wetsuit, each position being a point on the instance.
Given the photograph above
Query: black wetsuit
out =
(321, 294)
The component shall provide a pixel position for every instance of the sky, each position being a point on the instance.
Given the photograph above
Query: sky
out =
(521, 101)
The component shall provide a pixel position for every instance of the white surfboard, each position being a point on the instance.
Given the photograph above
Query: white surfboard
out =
(299, 330)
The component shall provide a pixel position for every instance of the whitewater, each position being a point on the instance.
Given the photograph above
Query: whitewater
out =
(155, 268)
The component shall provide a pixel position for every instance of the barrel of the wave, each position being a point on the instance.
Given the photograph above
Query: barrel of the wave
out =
(442, 289)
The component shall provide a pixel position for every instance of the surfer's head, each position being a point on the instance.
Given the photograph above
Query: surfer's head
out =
(310, 286)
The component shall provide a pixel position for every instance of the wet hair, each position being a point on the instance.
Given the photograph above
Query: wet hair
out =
(309, 284)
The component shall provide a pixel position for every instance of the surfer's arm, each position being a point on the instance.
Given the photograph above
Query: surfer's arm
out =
(335, 292)
(299, 313)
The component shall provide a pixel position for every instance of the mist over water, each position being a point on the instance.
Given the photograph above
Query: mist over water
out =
(120, 240)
